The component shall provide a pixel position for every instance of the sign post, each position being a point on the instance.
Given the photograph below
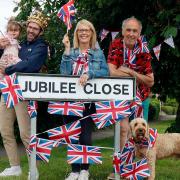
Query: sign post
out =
(46, 87)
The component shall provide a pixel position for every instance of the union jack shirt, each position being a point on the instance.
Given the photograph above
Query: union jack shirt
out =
(136, 171)
(116, 110)
(82, 154)
(67, 13)
(66, 108)
(11, 90)
(68, 133)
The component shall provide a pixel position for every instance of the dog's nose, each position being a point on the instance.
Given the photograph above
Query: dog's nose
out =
(140, 130)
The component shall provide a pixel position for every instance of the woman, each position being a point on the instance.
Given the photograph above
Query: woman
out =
(88, 62)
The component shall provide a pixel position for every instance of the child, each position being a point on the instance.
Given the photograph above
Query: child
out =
(10, 54)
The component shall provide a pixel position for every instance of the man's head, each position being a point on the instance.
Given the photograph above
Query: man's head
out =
(131, 30)
(36, 24)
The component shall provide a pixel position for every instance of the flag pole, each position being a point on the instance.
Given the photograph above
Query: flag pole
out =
(2, 33)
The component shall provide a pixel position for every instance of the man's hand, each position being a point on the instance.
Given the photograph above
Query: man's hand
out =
(83, 79)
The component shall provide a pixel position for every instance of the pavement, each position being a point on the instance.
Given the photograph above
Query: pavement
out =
(98, 134)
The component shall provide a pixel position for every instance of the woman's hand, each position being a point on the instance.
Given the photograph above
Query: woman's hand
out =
(83, 79)
(4, 42)
(3, 65)
(66, 43)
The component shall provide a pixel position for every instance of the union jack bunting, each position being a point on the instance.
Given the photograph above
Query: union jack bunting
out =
(67, 13)
(128, 153)
(66, 108)
(152, 136)
(116, 110)
(102, 123)
(68, 133)
(32, 144)
(82, 154)
(11, 90)
(43, 149)
(116, 162)
(136, 171)
(32, 106)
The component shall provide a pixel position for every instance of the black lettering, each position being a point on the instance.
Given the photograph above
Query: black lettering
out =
(95, 90)
(49, 87)
(35, 87)
(53, 88)
(124, 89)
(72, 87)
(42, 87)
(106, 89)
(85, 88)
(63, 87)
(26, 87)
(117, 89)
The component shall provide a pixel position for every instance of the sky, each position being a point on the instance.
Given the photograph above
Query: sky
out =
(6, 11)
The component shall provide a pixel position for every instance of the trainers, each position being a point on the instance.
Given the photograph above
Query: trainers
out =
(111, 176)
(12, 171)
(37, 175)
(84, 175)
(73, 176)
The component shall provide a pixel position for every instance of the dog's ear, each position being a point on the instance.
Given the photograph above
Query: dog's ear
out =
(147, 132)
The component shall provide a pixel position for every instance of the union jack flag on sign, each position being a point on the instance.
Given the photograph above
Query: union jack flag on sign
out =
(68, 133)
(116, 110)
(136, 171)
(32, 106)
(32, 144)
(82, 154)
(43, 149)
(67, 13)
(102, 123)
(66, 108)
(11, 90)
(116, 162)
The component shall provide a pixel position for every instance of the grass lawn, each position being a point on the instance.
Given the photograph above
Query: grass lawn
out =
(58, 169)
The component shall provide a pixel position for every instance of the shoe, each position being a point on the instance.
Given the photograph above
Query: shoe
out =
(73, 176)
(111, 176)
(12, 171)
(37, 175)
(84, 175)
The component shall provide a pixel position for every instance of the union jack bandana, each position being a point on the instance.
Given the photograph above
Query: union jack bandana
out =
(11, 90)
(80, 66)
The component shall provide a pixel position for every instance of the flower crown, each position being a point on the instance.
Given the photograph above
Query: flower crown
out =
(38, 18)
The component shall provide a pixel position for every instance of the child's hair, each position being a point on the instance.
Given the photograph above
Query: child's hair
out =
(13, 24)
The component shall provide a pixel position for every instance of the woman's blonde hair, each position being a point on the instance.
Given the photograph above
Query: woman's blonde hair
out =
(93, 37)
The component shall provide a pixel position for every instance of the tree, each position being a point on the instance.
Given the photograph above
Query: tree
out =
(160, 19)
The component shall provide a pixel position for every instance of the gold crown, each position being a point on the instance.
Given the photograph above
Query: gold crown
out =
(38, 18)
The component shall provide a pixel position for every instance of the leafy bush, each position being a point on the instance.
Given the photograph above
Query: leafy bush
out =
(170, 110)
(154, 109)
(171, 102)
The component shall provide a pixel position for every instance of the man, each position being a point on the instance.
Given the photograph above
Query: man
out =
(33, 54)
(130, 57)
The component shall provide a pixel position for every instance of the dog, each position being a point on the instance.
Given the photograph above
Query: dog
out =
(166, 145)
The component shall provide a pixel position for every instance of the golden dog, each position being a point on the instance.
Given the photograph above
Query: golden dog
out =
(166, 145)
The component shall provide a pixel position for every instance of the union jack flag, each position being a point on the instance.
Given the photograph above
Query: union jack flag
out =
(116, 162)
(43, 149)
(102, 123)
(136, 171)
(32, 144)
(152, 136)
(116, 110)
(68, 133)
(11, 90)
(128, 153)
(66, 108)
(32, 106)
(82, 154)
(67, 13)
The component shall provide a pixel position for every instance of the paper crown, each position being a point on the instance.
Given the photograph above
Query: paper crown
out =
(38, 18)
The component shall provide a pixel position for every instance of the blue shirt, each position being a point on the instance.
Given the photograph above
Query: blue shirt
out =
(33, 56)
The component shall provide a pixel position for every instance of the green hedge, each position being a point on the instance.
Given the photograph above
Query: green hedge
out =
(171, 102)
(170, 110)
(154, 109)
